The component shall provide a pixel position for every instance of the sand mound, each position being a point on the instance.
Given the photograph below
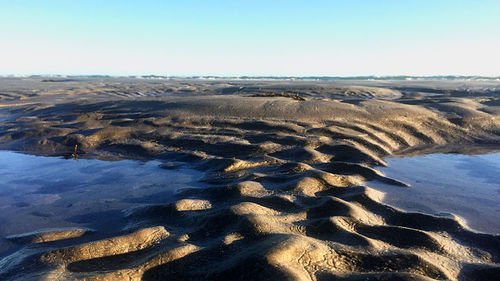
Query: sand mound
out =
(49, 235)
(286, 201)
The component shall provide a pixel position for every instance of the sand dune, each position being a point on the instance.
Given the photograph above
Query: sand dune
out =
(286, 161)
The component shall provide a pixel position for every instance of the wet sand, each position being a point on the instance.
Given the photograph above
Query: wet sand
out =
(287, 163)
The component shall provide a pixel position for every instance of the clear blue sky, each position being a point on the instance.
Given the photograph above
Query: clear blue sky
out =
(188, 37)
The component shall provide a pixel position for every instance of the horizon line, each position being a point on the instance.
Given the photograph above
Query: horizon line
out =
(249, 77)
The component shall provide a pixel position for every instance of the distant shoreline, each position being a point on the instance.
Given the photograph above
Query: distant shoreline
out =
(53, 77)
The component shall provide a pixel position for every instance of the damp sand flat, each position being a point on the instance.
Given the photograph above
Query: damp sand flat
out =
(464, 185)
(52, 192)
(286, 164)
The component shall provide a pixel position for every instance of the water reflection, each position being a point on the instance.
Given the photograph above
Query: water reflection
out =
(45, 192)
(468, 186)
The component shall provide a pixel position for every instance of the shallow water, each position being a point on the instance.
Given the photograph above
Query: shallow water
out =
(48, 192)
(464, 185)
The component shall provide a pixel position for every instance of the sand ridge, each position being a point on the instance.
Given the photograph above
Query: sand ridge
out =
(287, 200)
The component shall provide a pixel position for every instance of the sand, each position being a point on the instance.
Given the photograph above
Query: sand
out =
(287, 163)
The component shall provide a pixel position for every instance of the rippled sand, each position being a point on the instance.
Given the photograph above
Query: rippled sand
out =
(287, 163)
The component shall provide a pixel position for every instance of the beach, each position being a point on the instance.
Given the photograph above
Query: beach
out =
(285, 167)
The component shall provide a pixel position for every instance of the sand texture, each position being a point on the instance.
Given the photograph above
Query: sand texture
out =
(286, 161)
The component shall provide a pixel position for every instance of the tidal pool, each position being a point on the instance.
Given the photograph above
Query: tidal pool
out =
(464, 185)
(50, 192)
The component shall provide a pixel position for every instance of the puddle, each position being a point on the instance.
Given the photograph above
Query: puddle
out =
(47, 192)
(430, 94)
(464, 185)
